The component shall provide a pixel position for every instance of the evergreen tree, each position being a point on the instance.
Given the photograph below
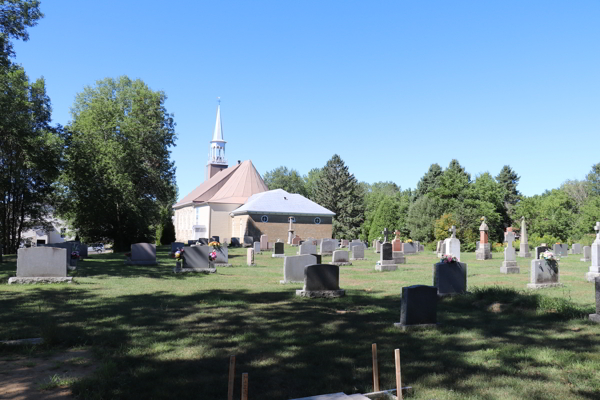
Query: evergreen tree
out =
(509, 180)
(429, 181)
(338, 191)
(593, 180)
(165, 232)
(386, 216)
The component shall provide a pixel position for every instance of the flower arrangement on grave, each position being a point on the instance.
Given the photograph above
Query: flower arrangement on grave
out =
(74, 255)
(549, 256)
(409, 241)
(216, 245)
(448, 258)
(212, 256)
(178, 255)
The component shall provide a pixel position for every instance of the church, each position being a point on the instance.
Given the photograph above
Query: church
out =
(220, 205)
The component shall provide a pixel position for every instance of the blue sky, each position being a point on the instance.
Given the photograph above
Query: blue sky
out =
(391, 87)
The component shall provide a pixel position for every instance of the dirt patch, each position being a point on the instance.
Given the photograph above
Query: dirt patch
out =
(32, 378)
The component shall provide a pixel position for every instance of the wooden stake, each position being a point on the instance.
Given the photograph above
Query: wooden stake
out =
(231, 377)
(375, 368)
(245, 386)
(398, 375)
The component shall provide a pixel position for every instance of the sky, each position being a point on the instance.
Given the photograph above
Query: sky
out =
(390, 86)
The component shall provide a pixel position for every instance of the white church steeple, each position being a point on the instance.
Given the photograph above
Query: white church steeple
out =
(216, 156)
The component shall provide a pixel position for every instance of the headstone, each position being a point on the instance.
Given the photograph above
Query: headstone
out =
(594, 270)
(509, 266)
(264, 242)
(398, 257)
(421, 247)
(248, 241)
(374, 243)
(191, 242)
(69, 246)
(561, 249)
(539, 250)
(377, 247)
(596, 317)
(484, 252)
(291, 230)
(41, 265)
(176, 246)
(358, 253)
(195, 259)
(278, 251)
(340, 258)
(222, 259)
(524, 247)
(82, 248)
(450, 278)
(386, 260)
(587, 254)
(345, 243)
(453, 244)
(544, 273)
(256, 248)
(235, 242)
(477, 245)
(409, 248)
(250, 257)
(321, 280)
(202, 241)
(419, 307)
(396, 245)
(293, 267)
(311, 240)
(142, 254)
(327, 247)
(296, 240)
(317, 257)
(440, 248)
(307, 248)
(576, 248)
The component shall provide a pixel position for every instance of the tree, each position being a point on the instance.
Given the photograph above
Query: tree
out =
(288, 180)
(15, 17)
(165, 231)
(119, 172)
(593, 180)
(429, 181)
(310, 182)
(421, 218)
(338, 191)
(385, 217)
(30, 156)
(509, 180)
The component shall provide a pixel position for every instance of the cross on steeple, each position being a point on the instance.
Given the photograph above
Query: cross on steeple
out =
(453, 231)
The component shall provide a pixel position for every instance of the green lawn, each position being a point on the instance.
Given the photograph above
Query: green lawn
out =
(163, 336)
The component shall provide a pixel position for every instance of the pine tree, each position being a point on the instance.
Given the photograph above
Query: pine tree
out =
(386, 216)
(338, 191)
(429, 181)
(509, 180)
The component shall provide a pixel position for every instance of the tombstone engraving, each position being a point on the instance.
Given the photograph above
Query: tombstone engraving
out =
(195, 259)
(386, 259)
(250, 257)
(450, 278)
(544, 273)
(587, 254)
(41, 265)
(358, 252)
(509, 266)
(307, 248)
(278, 251)
(142, 254)
(594, 270)
(596, 317)
(321, 280)
(419, 307)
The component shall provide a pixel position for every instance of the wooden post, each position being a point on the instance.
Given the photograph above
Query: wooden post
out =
(231, 377)
(398, 375)
(375, 368)
(245, 386)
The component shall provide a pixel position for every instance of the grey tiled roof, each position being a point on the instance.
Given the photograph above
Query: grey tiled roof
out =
(279, 201)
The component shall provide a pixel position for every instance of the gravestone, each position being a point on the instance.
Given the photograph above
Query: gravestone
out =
(202, 241)
(142, 254)
(321, 280)
(256, 248)
(524, 246)
(409, 248)
(374, 243)
(484, 252)
(594, 270)
(587, 254)
(327, 247)
(596, 317)
(222, 259)
(509, 266)
(576, 248)
(419, 307)
(385, 233)
(440, 248)
(358, 253)
(544, 273)
(539, 250)
(311, 240)
(41, 265)
(176, 246)
(69, 246)
(397, 243)
(296, 240)
(421, 247)
(378, 247)
(477, 245)
(345, 243)
(386, 259)
(191, 242)
(293, 267)
(307, 248)
(195, 259)
(278, 251)
(450, 278)
(250, 257)
(317, 257)
(235, 242)
(248, 241)
(264, 242)
(398, 257)
(340, 258)
(561, 249)
(453, 244)
(82, 248)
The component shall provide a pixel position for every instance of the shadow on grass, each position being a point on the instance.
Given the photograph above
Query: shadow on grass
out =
(163, 346)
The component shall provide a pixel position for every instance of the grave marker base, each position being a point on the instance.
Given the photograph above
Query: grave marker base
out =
(341, 264)
(188, 270)
(595, 318)
(386, 267)
(591, 276)
(543, 285)
(321, 293)
(510, 270)
(277, 255)
(403, 327)
(45, 279)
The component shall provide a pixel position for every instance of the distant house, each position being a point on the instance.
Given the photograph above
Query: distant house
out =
(270, 212)
(57, 234)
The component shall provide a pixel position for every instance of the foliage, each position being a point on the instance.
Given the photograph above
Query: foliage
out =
(165, 230)
(118, 170)
(311, 181)
(442, 226)
(385, 217)
(536, 240)
(282, 178)
(338, 191)
(421, 217)
(593, 180)
(429, 181)
(15, 17)
(374, 194)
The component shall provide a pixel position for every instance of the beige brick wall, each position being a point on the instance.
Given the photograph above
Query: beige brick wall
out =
(184, 218)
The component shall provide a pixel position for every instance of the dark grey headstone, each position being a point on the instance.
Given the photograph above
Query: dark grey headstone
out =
(419, 305)
(214, 239)
(203, 241)
(279, 248)
(450, 278)
(175, 246)
(386, 251)
(248, 241)
(196, 257)
(318, 257)
(539, 250)
(235, 242)
(321, 277)
(191, 242)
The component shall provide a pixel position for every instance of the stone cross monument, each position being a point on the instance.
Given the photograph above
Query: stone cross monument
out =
(385, 235)
(510, 266)
(484, 252)
(524, 247)
(291, 230)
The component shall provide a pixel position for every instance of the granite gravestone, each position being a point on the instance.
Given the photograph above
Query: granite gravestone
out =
(142, 254)
(576, 248)
(561, 249)
(327, 247)
(509, 266)
(524, 246)
(539, 250)
(409, 248)
(453, 244)
(317, 257)
(596, 317)
(222, 259)
(587, 254)
(256, 248)
(307, 248)
(293, 267)
(278, 251)
(419, 307)
(321, 280)
(248, 241)
(264, 242)
(544, 273)
(340, 258)
(41, 265)
(195, 259)
(358, 252)
(176, 246)
(386, 259)
(250, 257)
(450, 278)
(378, 247)
(296, 240)
(69, 247)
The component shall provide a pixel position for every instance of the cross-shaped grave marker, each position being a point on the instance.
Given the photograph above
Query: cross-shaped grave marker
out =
(397, 233)
(453, 230)
(509, 238)
(597, 229)
(385, 235)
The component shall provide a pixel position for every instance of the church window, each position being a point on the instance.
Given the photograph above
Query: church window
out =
(264, 218)
(317, 220)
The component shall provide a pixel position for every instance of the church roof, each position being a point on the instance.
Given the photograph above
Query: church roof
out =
(279, 201)
(233, 185)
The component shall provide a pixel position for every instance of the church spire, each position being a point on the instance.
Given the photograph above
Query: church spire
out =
(216, 156)
(218, 132)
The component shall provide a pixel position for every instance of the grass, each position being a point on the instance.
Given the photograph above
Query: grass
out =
(161, 336)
